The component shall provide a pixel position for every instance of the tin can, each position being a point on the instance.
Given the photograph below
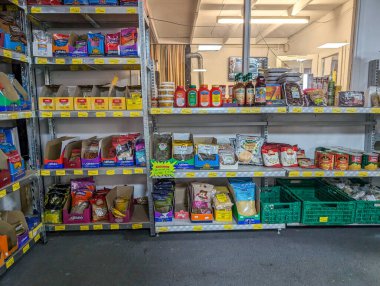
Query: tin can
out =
(341, 161)
(354, 161)
(370, 161)
(326, 161)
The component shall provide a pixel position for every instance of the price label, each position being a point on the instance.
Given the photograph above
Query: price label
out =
(60, 61)
(186, 111)
(7, 54)
(231, 110)
(9, 262)
(60, 173)
(100, 10)
(257, 226)
(307, 174)
(339, 174)
(135, 114)
(190, 175)
(351, 110)
(78, 172)
(294, 174)
(98, 227)
(77, 61)
(337, 110)
(16, 186)
(59, 227)
(323, 219)
(25, 248)
(231, 174)
(297, 110)
(82, 114)
(375, 110)
(318, 110)
(84, 227)
(228, 227)
(137, 226)
(212, 174)
(99, 61)
(114, 61)
(319, 174)
(3, 193)
(127, 172)
(23, 58)
(202, 111)
(197, 228)
(131, 61)
(35, 10)
(363, 174)
(93, 172)
(14, 116)
(245, 110)
(139, 171)
(65, 114)
(110, 172)
(15, 2)
(163, 229)
(100, 114)
(118, 114)
(258, 174)
(28, 114)
(42, 61)
(155, 111)
(281, 109)
(45, 114)
(74, 10)
(131, 10)
(114, 226)
(45, 173)
(37, 238)
(256, 110)
(167, 111)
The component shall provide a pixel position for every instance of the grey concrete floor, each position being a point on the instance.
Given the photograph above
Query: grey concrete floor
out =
(326, 256)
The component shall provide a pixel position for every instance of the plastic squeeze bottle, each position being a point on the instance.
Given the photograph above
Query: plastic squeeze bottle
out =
(180, 97)
(239, 90)
(216, 96)
(249, 91)
(204, 96)
(192, 96)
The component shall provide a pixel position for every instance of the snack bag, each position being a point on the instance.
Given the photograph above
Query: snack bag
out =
(289, 156)
(60, 45)
(81, 193)
(271, 155)
(99, 206)
(244, 194)
(201, 198)
(128, 42)
(95, 44)
(248, 149)
(112, 44)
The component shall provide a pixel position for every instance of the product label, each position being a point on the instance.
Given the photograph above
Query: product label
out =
(240, 96)
(250, 96)
(204, 98)
(192, 98)
(216, 98)
(180, 99)
(261, 93)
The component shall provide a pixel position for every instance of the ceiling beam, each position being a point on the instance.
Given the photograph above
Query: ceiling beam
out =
(298, 7)
(152, 24)
(195, 19)
(266, 32)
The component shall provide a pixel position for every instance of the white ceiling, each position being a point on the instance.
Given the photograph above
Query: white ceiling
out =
(195, 21)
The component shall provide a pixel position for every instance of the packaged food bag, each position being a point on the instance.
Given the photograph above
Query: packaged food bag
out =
(248, 149)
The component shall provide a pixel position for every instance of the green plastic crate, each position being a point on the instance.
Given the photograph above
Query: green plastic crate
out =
(322, 204)
(278, 205)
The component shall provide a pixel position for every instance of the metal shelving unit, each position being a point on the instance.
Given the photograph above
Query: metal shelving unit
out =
(30, 177)
(93, 171)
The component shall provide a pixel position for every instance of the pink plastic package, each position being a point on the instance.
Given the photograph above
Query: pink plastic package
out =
(112, 44)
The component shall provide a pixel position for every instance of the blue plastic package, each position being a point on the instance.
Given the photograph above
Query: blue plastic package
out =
(95, 44)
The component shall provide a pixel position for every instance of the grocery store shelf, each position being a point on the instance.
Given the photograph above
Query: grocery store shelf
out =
(34, 236)
(186, 225)
(132, 63)
(139, 220)
(12, 115)
(94, 171)
(84, 114)
(264, 110)
(340, 225)
(14, 186)
(7, 55)
(315, 173)
(69, 9)
(242, 171)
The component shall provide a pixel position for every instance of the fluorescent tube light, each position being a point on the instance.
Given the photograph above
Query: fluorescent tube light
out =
(209, 47)
(333, 45)
(199, 70)
(265, 20)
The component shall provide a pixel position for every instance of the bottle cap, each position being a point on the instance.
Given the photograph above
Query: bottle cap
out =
(193, 86)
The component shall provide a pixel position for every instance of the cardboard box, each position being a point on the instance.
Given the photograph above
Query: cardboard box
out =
(12, 45)
(105, 147)
(117, 103)
(206, 164)
(64, 99)
(223, 215)
(181, 206)
(176, 144)
(99, 103)
(46, 98)
(202, 218)
(5, 178)
(82, 99)
(222, 166)
(53, 158)
(70, 218)
(9, 98)
(94, 162)
(134, 104)
(74, 163)
(8, 239)
(120, 191)
(15, 217)
(164, 217)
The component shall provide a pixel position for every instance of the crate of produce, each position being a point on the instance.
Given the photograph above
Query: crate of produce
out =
(322, 204)
(278, 205)
(367, 198)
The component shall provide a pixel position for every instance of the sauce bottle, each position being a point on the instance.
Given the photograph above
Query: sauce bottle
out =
(204, 96)
(239, 90)
(192, 96)
(249, 91)
(216, 96)
(261, 91)
(180, 97)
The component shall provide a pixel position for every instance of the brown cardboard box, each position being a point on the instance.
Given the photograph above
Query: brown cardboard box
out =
(73, 164)
(8, 239)
(181, 206)
(53, 157)
(120, 191)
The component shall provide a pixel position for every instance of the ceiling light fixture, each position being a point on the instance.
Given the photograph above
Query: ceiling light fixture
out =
(333, 45)
(199, 70)
(265, 20)
(209, 47)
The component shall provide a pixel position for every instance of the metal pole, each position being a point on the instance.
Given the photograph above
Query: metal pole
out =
(246, 35)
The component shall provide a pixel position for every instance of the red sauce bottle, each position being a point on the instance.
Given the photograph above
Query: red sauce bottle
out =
(216, 96)
(204, 98)
(180, 97)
